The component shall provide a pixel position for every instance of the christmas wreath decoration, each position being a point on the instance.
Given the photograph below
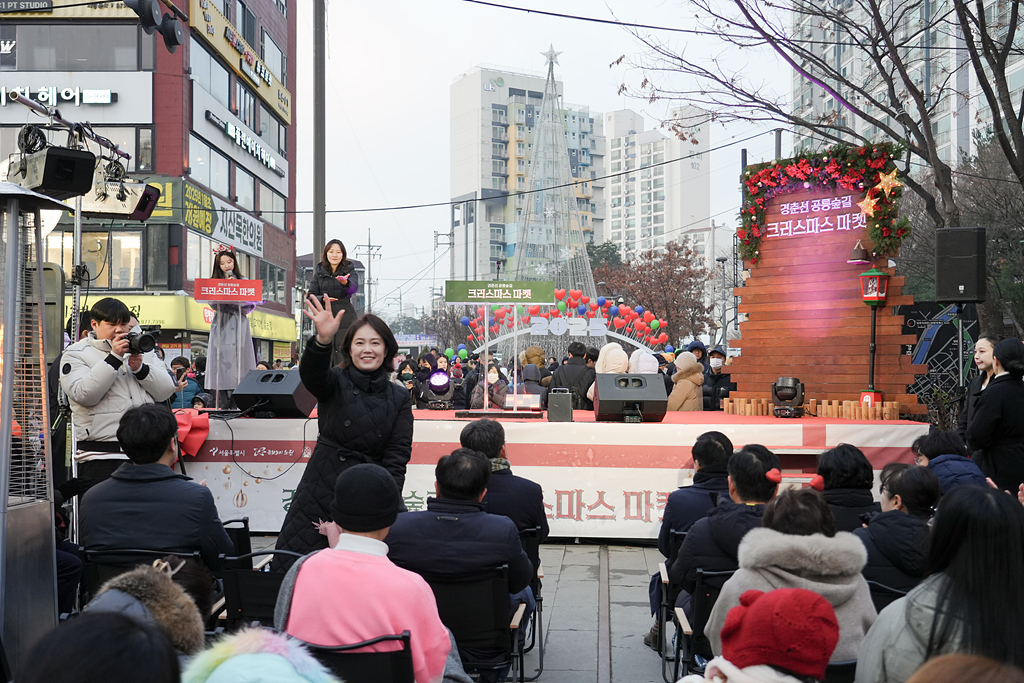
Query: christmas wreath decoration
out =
(854, 168)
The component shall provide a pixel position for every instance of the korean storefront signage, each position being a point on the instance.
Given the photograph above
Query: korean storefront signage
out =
(212, 216)
(11, 6)
(53, 96)
(223, 37)
(480, 292)
(246, 142)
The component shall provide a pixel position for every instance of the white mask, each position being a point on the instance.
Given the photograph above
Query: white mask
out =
(716, 363)
(492, 377)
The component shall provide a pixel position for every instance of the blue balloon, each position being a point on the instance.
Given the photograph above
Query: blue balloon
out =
(490, 321)
(601, 301)
(465, 321)
(462, 346)
(639, 310)
(613, 311)
(582, 309)
(669, 348)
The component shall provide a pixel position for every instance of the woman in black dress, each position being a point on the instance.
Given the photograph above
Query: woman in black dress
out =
(995, 434)
(363, 417)
(983, 349)
(335, 277)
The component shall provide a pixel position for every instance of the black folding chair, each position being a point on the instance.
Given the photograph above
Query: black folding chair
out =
(5, 665)
(475, 610)
(530, 540)
(882, 595)
(352, 666)
(251, 595)
(668, 596)
(841, 672)
(693, 649)
(100, 566)
(238, 532)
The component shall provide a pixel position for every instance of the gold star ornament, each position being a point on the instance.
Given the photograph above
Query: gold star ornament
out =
(868, 206)
(887, 182)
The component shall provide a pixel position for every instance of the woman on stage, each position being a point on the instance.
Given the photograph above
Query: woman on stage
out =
(995, 434)
(983, 349)
(363, 417)
(335, 277)
(230, 354)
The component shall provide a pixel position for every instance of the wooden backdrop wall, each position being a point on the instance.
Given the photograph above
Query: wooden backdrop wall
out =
(804, 314)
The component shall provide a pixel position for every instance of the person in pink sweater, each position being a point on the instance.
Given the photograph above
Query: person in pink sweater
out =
(351, 591)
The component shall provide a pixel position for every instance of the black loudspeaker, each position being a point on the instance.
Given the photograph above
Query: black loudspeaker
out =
(630, 398)
(960, 265)
(278, 393)
(559, 405)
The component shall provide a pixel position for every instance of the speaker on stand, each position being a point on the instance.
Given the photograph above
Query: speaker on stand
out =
(960, 277)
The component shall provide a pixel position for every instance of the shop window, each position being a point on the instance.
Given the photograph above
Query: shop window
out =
(272, 207)
(78, 46)
(208, 167)
(208, 73)
(273, 57)
(246, 103)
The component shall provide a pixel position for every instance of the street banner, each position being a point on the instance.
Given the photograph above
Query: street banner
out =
(487, 292)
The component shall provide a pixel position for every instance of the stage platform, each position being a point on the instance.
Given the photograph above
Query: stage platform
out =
(600, 479)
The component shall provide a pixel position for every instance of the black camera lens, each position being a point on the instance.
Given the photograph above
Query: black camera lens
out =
(141, 343)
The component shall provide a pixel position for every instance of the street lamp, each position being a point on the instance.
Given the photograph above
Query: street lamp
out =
(725, 298)
(873, 286)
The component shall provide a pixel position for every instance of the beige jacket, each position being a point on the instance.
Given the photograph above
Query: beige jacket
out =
(687, 393)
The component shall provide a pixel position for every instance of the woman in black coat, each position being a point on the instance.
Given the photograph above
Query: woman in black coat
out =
(364, 417)
(995, 434)
(983, 350)
(335, 277)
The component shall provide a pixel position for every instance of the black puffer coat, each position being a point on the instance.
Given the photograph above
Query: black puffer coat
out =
(995, 435)
(324, 282)
(897, 545)
(848, 504)
(363, 417)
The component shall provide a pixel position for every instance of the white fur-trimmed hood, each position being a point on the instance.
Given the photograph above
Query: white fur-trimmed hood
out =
(841, 555)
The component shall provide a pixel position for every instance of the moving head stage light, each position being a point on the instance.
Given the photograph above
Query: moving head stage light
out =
(788, 397)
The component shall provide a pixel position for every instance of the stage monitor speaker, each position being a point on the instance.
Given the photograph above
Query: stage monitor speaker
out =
(630, 398)
(960, 265)
(559, 405)
(274, 393)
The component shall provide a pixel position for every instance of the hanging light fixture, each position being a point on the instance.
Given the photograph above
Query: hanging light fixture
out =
(859, 256)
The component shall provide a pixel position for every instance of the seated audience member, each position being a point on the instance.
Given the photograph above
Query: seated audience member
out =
(713, 543)
(202, 400)
(102, 648)
(256, 655)
(897, 538)
(576, 375)
(351, 591)
(149, 594)
(687, 504)
(959, 668)
(531, 384)
(187, 388)
(518, 498)
(687, 382)
(944, 454)
(798, 547)
(611, 360)
(497, 389)
(973, 600)
(782, 636)
(145, 504)
(848, 481)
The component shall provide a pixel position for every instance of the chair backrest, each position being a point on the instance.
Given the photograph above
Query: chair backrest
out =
(250, 595)
(703, 599)
(353, 666)
(476, 609)
(530, 540)
(675, 542)
(100, 566)
(238, 532)
(882, 595)
(841, 672)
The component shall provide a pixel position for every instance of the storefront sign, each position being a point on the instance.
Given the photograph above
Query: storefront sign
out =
(9, 6)
(246, 142)
(214, 289)
(219, 220)
(44, 9)
(103, 97)
(486, 292)
(51, 96)
(222, 36)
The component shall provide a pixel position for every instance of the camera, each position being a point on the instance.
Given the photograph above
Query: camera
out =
(141, 343)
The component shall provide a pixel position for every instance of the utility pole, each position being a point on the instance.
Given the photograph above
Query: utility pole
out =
(320, 127)
(372, 251)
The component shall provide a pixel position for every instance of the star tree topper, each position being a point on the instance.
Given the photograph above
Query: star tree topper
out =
(887, 182)
(551, 55)
(868, 206)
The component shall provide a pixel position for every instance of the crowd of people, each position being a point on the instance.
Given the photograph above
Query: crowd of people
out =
(805, 576)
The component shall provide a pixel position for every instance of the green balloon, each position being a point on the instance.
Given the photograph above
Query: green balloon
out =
(519, 309)
(494, 307)
(654, 325)
(449, 352)
(463, 354)
(561, 306)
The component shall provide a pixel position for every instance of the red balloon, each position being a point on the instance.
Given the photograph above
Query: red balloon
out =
(500, 314)
(584, 299)
(469, 337)
(559, 294)
(640, 325)
(648, 316)
(544, 315)
(625, 309)
(480, 310)
(662, 338)
(575, 293)
(473, 324)
(535, 310)
(526, 320)
(619, 323)
(593, 305)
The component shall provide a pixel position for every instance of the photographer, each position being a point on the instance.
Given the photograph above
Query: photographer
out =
(105, 375)
(188, 388)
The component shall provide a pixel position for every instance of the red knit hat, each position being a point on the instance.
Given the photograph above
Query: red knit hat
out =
(789, 628)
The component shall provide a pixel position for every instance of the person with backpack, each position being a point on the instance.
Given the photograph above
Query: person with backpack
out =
(575, 376)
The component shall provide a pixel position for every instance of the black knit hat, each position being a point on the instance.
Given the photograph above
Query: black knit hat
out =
(366, 498)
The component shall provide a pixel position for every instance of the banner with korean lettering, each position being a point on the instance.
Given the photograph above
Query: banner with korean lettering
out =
(211, 289)
(815, 216)
(488, 292)
(226, 223)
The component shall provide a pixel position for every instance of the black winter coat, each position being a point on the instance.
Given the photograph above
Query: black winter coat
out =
(456, 538)
(577, 378)
(997, 430)
(713, 543)
(974, 392)
(688, 504)
(326, 283)
(715, 388)
(848, 505)
(363, 417)
(519, 499)
(956, 470)
(897, 545)
(152, 507)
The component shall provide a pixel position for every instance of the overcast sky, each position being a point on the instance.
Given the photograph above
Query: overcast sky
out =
(390, 67)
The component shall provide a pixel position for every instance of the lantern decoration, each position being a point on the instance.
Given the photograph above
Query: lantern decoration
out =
(873, 284)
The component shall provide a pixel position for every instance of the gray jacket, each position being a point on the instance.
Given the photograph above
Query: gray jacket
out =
(896, 644)
(830, 567)
(102, 388)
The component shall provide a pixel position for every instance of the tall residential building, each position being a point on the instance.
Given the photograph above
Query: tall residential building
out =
(664, 190)
(492, 126)
(210, 124)
(936, 60)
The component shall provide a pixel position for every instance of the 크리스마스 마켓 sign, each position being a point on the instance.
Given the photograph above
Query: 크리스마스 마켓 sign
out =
(488, 292)
(213, 289)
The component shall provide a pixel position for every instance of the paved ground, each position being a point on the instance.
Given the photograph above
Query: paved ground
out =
(595, 614)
